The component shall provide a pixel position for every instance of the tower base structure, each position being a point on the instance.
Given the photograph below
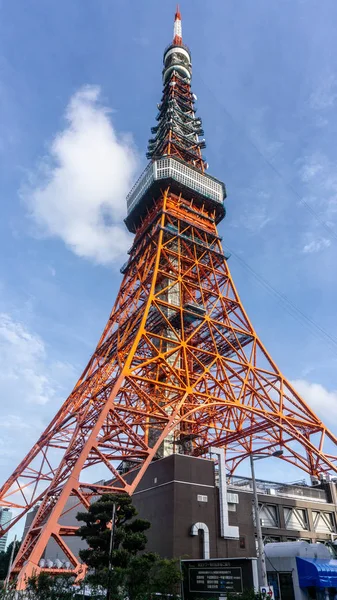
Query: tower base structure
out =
(180, 496)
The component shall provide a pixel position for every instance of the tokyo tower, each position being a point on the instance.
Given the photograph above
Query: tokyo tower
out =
(179, 367)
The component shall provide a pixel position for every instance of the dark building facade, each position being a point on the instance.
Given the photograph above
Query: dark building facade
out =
(176, 493)
(179, 491)
(179, 495)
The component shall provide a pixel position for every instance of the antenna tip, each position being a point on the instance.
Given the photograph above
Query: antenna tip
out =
(177, 31)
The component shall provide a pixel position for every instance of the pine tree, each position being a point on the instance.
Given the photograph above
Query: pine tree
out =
(134, 574)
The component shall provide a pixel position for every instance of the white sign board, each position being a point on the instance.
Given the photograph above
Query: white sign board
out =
(267, 592)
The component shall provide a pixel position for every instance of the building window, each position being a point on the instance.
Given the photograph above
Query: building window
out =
(232, 498)
(282, 583)
(202, 498)
(324, 522)
(268, 515)
(295, 518)
(286, 586)
(242, 542)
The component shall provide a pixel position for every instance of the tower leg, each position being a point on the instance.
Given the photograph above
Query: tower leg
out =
(179, 366)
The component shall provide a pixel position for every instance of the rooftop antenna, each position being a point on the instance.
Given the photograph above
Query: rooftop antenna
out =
(177, 29)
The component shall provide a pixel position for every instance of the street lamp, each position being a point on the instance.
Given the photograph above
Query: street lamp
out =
(112, 539)
(262, 556)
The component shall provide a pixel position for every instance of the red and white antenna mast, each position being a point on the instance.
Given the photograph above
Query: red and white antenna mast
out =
(177, 29)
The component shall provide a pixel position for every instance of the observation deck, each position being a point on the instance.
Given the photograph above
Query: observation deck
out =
(181, 178)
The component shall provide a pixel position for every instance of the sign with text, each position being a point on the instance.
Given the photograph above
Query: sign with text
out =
(215, 578)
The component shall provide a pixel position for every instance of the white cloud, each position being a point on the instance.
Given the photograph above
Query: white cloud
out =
(26, 376)
(313, 166)
(15, 432)
(323, 402)
(259, 131)
(316, 245)
(318, 173)
(255, 221)
(78, 192)
(325, 94)
(32, 388)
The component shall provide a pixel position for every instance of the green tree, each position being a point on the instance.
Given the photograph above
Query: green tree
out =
(128, 534)
(167, 577)
(135, 574)
(47, 587)
(5, 558)
(50, 587)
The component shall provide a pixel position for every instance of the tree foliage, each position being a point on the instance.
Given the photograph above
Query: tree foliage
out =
(128, 534)
(135, 574)
(51, 587)
(47, 587)
(5, 558)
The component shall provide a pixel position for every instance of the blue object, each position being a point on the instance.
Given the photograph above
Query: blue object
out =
(317, 573)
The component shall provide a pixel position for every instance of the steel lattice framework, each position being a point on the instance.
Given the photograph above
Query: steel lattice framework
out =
(178, 368)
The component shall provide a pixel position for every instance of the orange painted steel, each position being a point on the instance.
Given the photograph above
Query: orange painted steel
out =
(194, 369)
(178, 368)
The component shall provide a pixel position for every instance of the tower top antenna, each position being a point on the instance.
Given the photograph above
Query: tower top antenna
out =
(177, 30)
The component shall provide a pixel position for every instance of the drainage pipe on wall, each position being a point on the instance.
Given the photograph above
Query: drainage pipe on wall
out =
(195, 531)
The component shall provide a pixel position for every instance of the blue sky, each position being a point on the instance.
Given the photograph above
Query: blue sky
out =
(79, 84)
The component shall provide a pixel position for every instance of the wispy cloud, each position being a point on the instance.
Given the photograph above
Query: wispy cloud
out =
(142, 40)
(17, 433)
(32, 387)
(322, 401)
(319, 176)
(313, 166)
(257, 219)
(316, 246)
(260, 135)
(52, 271)
(27, 375)
(78, 191)
(325, 94)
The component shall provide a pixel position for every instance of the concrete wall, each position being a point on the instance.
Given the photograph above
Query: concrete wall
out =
(168, 498)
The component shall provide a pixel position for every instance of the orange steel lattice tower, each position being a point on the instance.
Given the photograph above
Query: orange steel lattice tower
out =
(179, 367)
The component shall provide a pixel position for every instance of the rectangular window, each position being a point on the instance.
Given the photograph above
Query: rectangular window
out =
(232, 498)
(268, 514)
(324, 522)
(295, 518)
(202, 498)
(286, 586)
